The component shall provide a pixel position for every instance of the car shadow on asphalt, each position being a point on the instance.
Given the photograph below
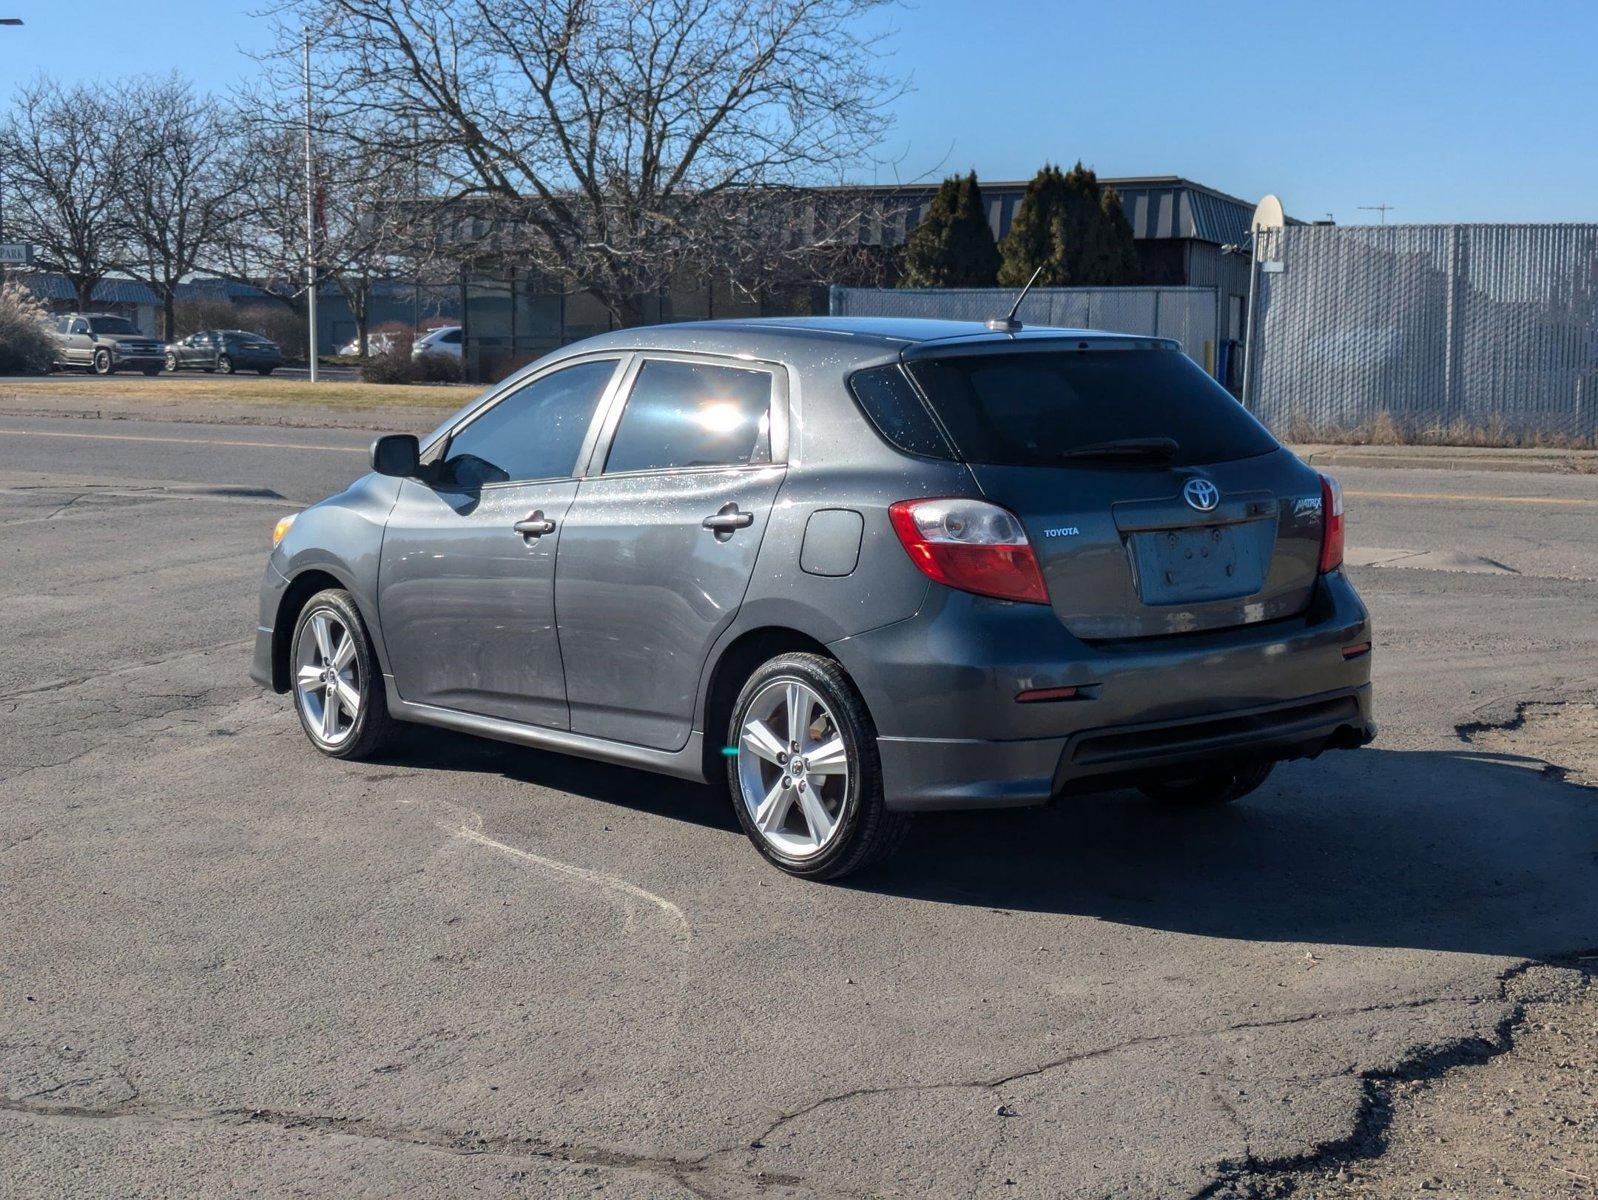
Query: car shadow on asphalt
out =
(426, 748)
(1453, 851)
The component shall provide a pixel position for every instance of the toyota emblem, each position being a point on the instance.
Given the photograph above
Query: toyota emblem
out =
(1201, 494)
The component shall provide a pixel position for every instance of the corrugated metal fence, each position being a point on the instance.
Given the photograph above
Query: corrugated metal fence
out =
(1462, 332)
(1187, 314)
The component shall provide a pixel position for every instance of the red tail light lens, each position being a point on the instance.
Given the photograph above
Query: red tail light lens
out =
(1331, 524)
(970, 545)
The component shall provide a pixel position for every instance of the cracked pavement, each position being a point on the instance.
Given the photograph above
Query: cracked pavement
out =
(230, 966)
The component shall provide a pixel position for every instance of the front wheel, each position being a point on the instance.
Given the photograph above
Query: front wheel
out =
(338, 688)
(225, 365)
(152, 370)
(1217, 785)
(102, 362)
(806, 780)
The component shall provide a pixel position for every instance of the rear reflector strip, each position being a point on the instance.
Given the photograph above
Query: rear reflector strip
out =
(1356, 649)
(1037, 695)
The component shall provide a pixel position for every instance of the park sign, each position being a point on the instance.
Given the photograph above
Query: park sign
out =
(15, 254)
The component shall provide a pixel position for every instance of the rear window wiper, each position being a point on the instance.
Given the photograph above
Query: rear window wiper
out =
(1149, 449)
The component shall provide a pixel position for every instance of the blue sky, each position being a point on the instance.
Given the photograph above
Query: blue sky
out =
(1449, 111)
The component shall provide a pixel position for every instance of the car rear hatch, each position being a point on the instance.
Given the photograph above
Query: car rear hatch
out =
(1154, 502)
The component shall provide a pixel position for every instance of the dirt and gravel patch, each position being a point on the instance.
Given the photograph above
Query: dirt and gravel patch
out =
(1522, 1123)
(1563, 732)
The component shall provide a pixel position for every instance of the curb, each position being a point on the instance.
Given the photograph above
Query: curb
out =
(1444, 458)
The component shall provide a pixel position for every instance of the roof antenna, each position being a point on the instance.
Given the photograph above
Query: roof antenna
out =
(1008, 323)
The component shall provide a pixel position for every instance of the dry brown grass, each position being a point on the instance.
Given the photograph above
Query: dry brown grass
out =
(237, 391)
(1384, 429)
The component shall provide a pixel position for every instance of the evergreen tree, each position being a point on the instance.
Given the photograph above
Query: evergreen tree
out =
(1074, 228)
(953, 245)
(1032, 242)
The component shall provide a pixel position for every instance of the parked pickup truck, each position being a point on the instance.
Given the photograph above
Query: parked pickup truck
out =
(104, 343)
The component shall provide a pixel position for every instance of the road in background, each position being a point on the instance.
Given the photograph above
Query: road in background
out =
(474, 968)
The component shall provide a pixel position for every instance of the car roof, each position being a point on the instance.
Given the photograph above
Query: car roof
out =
(876, 334)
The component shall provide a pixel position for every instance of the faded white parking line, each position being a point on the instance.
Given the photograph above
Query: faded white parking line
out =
(583, 874)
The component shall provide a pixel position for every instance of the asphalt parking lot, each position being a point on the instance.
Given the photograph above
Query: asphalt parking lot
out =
(231, 966)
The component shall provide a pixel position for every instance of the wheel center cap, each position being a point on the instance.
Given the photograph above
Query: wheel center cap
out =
(796, 766)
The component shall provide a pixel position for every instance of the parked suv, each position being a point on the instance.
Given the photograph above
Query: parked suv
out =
(104, 343)
(224, 350)
(851, 569)
(445, 340)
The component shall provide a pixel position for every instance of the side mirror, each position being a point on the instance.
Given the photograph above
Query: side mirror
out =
(397, 454)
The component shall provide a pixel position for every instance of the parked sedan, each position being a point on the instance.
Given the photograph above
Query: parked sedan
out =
(224, 350)
(844, 569)
(445, 340)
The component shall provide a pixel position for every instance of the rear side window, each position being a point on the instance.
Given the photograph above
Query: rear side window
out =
(890, 403)
(684, 414)
(1029, 408)
(534, 433)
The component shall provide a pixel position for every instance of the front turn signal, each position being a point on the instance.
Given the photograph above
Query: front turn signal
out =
(280, 530)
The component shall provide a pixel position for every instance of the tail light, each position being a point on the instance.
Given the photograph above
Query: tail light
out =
(1331, 524)
(970, 545)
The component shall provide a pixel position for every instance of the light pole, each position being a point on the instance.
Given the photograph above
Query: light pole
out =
(310, 220)
(5, 21)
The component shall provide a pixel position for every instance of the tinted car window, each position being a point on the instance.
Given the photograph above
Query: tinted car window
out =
(452, 338)
(534, 433)
(113, 325)
(693, 415)
(891, 404)
(1029, 408)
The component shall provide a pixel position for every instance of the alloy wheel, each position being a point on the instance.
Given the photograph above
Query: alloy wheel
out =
(793, 768)
(327, 680)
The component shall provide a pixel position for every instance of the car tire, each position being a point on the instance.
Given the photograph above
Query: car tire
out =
(152, 370)
(172, 364)
(263, 370)
(224, 364)
(102, 364)
(321, 666)
(820, 824)
(1218, 785)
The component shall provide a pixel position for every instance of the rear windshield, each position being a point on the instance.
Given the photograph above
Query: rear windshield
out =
(1028, 409)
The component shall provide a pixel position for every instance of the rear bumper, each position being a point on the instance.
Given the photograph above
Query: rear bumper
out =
(942, 686)
(930, 774)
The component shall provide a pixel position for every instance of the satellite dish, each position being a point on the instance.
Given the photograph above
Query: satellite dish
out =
(1268, 215)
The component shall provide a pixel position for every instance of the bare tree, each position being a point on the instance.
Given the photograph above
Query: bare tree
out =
(64, 163)
(603, 140)
(187, 174)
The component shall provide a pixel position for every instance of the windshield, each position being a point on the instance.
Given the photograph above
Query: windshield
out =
(1035, 408)
(112, 325)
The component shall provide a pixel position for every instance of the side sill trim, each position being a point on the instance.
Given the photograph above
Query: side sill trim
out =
(686, 763)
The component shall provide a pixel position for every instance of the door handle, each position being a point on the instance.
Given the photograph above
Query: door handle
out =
(726, 519)
(534, 525)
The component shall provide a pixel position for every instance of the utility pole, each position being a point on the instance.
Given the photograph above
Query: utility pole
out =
(5, 21)
(1384, 209)
(310, 220)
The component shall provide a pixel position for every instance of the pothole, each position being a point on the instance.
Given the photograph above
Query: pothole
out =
(1563, 734)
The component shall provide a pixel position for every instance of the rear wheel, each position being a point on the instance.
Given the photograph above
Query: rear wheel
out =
(172, 363)
(1216, 785)
(338, 688)
(263, 370)
(806, 781)
(152, 370)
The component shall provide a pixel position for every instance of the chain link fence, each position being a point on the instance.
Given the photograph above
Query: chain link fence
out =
(1466, 334)
(1187, 314)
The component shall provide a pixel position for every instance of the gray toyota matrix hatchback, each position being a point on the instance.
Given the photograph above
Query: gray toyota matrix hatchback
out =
(855, 568)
